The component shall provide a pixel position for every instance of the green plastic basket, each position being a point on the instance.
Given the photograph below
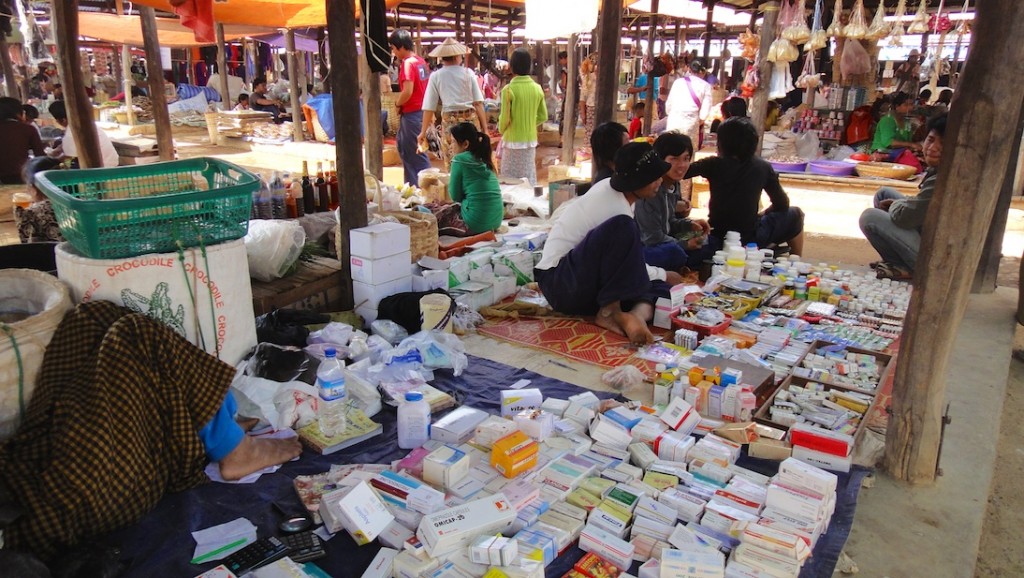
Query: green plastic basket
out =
(129, 211)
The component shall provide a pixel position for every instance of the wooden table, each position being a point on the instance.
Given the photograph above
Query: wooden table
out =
(316, 285)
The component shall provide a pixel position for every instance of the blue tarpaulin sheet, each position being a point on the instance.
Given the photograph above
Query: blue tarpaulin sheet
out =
(161, 543)
(324, 108)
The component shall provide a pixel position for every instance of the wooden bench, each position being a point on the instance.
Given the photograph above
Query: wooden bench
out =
(316, 285)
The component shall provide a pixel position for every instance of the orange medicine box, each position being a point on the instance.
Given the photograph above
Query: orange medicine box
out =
(514, 454)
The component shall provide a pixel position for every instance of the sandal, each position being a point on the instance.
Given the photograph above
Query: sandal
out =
(874, 264)
(890, 271)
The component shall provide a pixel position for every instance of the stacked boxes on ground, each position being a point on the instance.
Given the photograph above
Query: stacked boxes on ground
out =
(380, 259)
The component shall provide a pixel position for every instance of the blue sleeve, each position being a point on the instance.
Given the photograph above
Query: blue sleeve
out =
(222, 434)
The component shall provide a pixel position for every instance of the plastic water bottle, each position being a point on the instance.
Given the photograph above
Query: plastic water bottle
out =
(413, 421)
(263, 209)
(330, 382)
(277, 197)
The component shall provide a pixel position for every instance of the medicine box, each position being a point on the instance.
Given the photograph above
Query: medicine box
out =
(458, 426)
(364, 294)
(453, 528)
(445, 467)
(378, 271)
(358, 511)
(514, 454)
(380, 240)
(514, 401)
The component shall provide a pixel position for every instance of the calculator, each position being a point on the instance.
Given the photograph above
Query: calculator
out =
(255, 555)
(304, 546)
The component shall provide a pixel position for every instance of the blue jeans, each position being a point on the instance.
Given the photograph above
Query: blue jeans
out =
(413, 162)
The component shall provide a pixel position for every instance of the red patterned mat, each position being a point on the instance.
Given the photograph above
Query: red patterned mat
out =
(570, 337)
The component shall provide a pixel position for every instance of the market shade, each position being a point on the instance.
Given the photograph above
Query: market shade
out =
(288, 13)
(694, 10)
(128, 30)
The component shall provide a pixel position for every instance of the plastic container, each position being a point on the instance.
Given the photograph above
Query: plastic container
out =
(135, 210)
(413, 421)
(702, 330)
(832, 168)
(330, 383)
(781, 167)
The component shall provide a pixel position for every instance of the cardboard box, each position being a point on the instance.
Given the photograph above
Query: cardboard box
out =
(381, 566)
(371, 295)
(768, 449)
(453, 528)
(514, 454)
(445, 467)
(358, 511)
(514, 401)
(380, 240)
(458, 426)
(607, 546)
(825, 461)
(378, 271)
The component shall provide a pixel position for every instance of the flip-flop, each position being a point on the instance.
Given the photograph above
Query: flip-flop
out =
(890, 271)
(874, 264)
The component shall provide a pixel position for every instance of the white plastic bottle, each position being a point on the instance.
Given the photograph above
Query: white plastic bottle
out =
(413, 421)
(330, 382)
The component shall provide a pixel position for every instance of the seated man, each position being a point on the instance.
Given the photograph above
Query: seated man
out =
(124, 411)
(593, 259)
(261, 101)
(737, 177)
(893, 226)
(670, 242)
(69, 145)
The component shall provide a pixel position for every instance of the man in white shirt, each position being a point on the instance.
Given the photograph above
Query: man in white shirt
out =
(69, 148)
(687, 108)
(593, 260)
(454, 89)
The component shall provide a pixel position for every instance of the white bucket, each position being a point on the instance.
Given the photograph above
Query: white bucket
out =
(436, 312)
(213, 293)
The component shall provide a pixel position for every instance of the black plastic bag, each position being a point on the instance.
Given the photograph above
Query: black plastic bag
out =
(282, 363)
(287, 326)
(404, 308)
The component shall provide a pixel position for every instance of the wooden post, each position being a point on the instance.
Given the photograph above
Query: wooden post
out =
(374, 149)
(293, 84)
(155, 75)
(467, 23)
(322, 59)
(992, 252)
(677, 36)
(65, 23)
(570, 97)
(341, 31)
(977, 151)
(759, 102)
(607, 89)
(126, 72)
(10, 82)
(222, 67)
(709, 27)
(190, 67)
(954, 67)
(652, 96)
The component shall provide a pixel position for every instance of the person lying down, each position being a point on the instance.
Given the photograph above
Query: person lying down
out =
(125, 410)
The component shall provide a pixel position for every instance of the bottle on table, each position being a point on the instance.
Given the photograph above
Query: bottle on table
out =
(323, 192)
(332, 184)
(413, 421)
(308, 196)
(263, 209)
(277, 197)
(332, 405)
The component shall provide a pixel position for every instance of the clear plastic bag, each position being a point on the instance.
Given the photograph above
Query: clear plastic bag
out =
(797, 32)
(919, 25)
(879, 27)
(808, 145)
(896, 30)
(858, 26)
(272, 247)
(855, 59)
(388, 330)
(623, 378)
(435, 350)
(334, 332)
(466, 318)
(835, 29)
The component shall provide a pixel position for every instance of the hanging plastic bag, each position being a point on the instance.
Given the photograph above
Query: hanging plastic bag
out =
(749, 43)
(858, 26)
(273, 247)
(896, 31)
(797, 32)
(781, 82)
(879, 27)
(808, 78)
(855, 60)
(818, 38)
(751, 80)
(919, 25)
(808, 145)
(835, 29)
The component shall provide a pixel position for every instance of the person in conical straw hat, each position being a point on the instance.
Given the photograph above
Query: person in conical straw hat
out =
(454, 90)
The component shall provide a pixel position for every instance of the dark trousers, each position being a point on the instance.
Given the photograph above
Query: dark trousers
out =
(408, 129)
(607, 266)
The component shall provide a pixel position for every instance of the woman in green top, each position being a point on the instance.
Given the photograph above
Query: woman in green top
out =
(473, 182)
(894, 133)
(522, 109)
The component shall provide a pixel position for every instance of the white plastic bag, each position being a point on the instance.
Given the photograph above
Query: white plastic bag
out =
(807, 145)
(334, 333)
(782, 81)
(855, 59)
(623, 378)
(273, 247)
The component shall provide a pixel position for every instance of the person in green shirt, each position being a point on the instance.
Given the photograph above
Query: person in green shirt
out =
(894, 133)
(522, 109)
(473, 182)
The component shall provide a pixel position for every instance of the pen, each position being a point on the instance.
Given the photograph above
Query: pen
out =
(213, 553)
(560, 364)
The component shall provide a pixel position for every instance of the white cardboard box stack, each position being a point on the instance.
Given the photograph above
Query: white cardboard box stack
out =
(380, 265)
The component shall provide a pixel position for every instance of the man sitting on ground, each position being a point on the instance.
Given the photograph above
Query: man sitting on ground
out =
(737, 177)
(893, 226)
(670, 242)
(593, 259)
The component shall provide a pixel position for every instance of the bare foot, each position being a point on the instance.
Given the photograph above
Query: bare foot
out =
(254, 454)
(635, 328)
(606, 320)
(644, 311)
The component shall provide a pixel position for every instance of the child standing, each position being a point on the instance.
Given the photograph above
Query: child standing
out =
(636, 127)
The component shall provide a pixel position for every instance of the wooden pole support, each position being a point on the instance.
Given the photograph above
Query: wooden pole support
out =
(759, 102)
(570, 97)
(652, 96)
(374, 148)
(222, 68)
(155, 75)
(607, 89)
(976, 150)
(79, 109)
(293, 85)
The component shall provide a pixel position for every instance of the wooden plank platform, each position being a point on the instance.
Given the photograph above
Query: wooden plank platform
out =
(316, 285)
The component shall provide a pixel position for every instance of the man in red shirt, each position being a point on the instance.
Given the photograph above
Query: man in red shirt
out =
(412, 79)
